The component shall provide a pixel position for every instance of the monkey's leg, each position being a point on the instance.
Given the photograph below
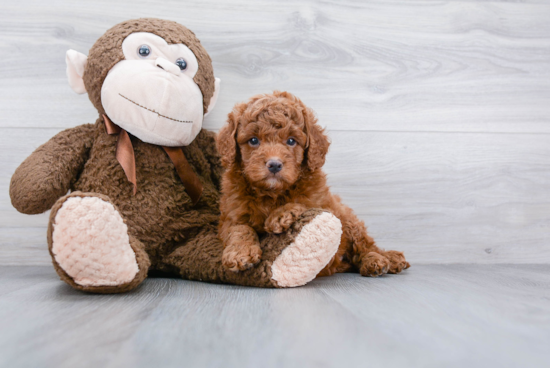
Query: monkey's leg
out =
(90, 246)
(290, 259)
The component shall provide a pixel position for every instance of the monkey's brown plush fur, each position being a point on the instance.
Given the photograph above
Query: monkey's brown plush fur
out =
(167, 232)
(257, 200)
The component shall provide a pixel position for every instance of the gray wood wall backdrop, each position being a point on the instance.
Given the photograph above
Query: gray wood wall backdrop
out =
(439, 111)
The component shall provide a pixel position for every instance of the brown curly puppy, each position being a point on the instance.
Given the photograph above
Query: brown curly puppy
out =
(273, 150)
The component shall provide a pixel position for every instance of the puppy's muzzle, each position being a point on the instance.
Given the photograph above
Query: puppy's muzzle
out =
(274, 166)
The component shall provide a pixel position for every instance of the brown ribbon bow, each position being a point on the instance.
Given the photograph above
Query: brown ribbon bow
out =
(125, 156)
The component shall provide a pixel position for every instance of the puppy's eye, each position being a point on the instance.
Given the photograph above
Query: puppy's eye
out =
(291, 141)
(254, 142)
(144, 51)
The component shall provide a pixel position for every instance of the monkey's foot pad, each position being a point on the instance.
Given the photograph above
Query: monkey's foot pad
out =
(310, 252)
(90, 243)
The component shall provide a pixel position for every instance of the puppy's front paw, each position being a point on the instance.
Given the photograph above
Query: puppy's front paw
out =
(240, 258)
(398, 262)
(282, 218)
(374, 265)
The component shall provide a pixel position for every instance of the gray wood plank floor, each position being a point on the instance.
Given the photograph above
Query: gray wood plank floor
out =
(431, 316)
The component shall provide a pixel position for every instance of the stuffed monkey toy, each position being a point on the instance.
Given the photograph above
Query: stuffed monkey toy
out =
(144, 180)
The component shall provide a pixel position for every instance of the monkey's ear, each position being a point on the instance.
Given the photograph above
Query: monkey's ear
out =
(76, 63)
(214, 97)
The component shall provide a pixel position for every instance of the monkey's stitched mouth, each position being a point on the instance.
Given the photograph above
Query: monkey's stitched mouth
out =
(156, 112)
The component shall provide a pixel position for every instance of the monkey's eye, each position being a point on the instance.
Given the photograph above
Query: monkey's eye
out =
(291, 141)
(254, 142)
(181, 63)
(144, 51)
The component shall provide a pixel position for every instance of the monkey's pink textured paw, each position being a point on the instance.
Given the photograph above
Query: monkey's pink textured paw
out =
(90, 243)
(311, 251)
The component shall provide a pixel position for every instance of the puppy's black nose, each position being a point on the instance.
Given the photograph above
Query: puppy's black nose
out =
(274, 166)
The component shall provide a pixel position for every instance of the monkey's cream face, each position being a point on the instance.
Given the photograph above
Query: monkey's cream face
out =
(152, 94)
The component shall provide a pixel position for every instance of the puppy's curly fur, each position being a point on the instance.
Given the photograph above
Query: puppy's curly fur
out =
(273, 150)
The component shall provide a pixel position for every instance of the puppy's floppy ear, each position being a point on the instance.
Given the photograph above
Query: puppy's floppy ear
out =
(225, 140)
(317, 142)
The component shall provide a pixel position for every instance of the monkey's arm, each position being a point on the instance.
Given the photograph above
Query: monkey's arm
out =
(207, 143)
(47, 174)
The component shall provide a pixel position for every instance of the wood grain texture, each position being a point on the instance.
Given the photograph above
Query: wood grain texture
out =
(362, 65)
(438, 111)
(430, 316)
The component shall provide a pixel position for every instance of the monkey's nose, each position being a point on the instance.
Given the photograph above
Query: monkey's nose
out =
(274, 166)
(168, 66)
